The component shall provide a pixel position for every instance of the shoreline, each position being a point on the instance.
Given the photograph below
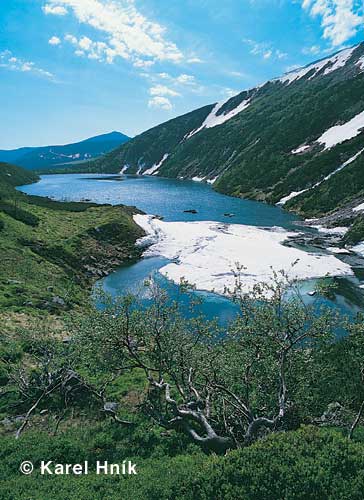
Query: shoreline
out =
(105, 266)
(207, 255)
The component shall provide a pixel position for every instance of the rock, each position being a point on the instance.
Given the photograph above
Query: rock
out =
(334, 415)
(50, 288)
(229, 215)
(58, 301)
(6, 422)
(111, 406)
(191, 211)
(13, 282)
(312, 293)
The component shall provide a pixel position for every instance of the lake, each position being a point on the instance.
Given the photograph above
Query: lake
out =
(169, 198)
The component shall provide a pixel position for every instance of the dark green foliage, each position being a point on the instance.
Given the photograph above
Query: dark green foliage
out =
(15, 176)
(119, 355)
(148, 148)
(68, 206)
(252, 152)
(308, 464)
(336, 192)
(356, 232)
(18, 213)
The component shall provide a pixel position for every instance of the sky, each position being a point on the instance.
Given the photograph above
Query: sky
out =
(71, 69)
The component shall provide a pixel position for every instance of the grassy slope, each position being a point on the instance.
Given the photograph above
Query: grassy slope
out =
(11, 176)
(307, 464)
(53, 252)
(50, 249)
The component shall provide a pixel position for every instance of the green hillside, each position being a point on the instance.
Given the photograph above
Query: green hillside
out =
(51, 252)
(252, 153)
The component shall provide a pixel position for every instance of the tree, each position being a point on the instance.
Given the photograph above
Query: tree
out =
(223, 388)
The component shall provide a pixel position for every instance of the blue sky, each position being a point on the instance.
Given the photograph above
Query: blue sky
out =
(70, 69)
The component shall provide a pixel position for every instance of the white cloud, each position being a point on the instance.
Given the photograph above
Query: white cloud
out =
(264, 50)
(128, 34)
(54, 40)
(313, 50)
(340, 19)
(8, 61)
(195, 60)
(182, 79)
(162, 90)
(237, 74)
(140, 63)
(167, 85)
(71, 38)
(186, 79)
(56, 10)
(228, 92)
(281, 55)
(160, 102)
(85, 47)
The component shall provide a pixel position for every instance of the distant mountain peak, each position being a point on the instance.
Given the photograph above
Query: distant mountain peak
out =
(114, 135)
(47, 156)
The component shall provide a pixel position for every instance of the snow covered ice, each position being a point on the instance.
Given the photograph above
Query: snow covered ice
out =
(205, 253)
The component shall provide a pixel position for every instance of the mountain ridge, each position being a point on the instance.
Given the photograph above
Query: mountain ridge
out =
(34, 158)
(264, 143)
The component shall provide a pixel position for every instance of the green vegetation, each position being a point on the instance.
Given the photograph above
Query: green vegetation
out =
(307, 464)
(51, 252)
(356, 232)
(251, 153)
(270, 406)
(11, 175)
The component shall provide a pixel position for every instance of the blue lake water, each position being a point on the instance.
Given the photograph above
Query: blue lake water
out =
(169, 198)
(159, 196)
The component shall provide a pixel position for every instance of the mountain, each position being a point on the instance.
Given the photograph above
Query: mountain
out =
(48, 156)
(296, 140)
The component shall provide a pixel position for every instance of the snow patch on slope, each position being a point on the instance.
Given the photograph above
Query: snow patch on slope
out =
(340, 133)
(212, 181)
(359, 248)
(337, 61)
(213, 120)
(359, 208)
(205, 253)
(360, 63)
(154, 169)
(284, 200)
(301, 149)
